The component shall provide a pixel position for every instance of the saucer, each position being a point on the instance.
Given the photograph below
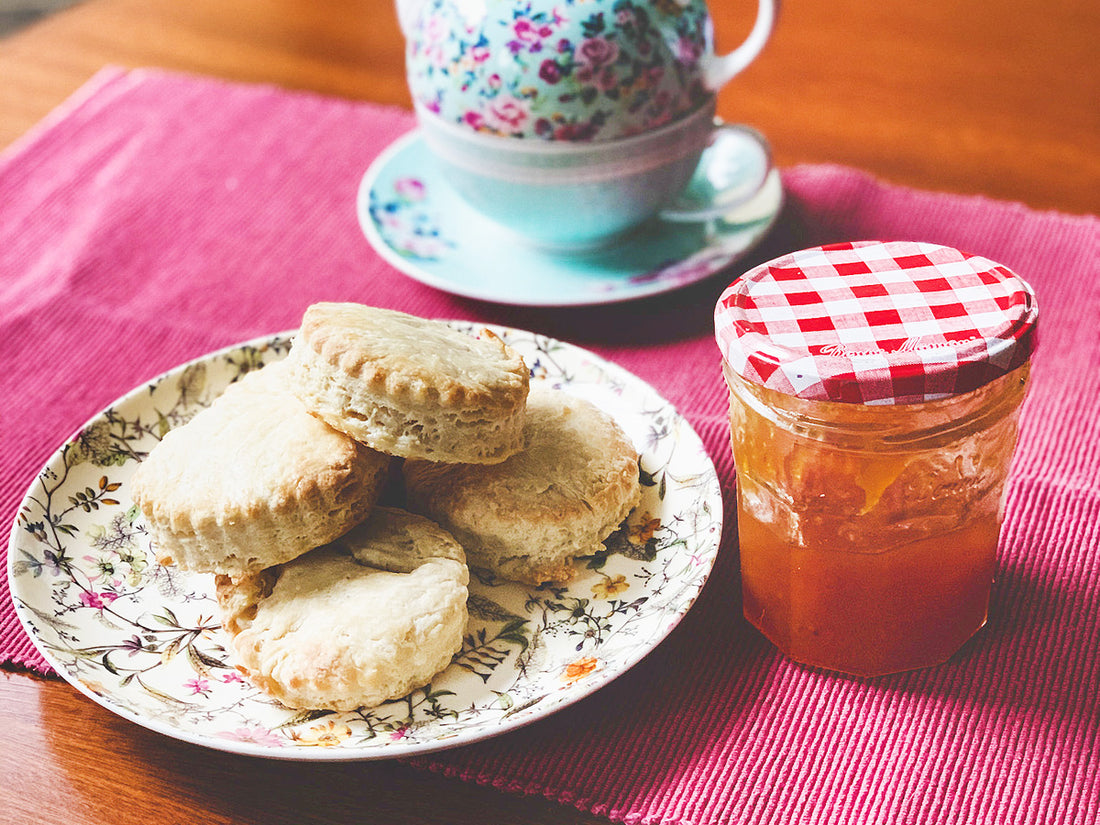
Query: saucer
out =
(420, 225)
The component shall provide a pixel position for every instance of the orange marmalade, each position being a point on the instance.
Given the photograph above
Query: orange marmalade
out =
(869, 534)
(871, 467)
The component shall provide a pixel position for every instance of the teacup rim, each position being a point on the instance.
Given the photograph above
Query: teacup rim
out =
(537, 146)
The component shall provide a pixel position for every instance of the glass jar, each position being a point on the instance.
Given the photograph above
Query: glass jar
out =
(869, 534)
(868, 530)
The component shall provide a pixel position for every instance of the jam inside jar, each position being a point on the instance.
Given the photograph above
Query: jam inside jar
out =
(868, 534)
(875, 391)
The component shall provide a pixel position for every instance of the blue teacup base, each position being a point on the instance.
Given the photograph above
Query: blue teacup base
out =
(414, 218)
(572, 218)
(584, 215)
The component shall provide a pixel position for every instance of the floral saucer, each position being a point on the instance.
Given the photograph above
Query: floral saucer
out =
(419, 224)
(144, 641)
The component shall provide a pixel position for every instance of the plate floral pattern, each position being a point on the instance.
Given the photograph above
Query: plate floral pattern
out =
(144, 641)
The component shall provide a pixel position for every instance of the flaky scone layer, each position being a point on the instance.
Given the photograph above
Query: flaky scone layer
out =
(360, 621)
(409, 386)
(254, 480)
(529, 517)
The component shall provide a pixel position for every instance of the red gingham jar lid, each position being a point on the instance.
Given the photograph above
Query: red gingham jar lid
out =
(876, 323)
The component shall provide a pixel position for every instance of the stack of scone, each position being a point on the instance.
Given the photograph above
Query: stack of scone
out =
(335, 602)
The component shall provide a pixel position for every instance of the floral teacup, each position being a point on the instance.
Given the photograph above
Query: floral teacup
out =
(567, 70)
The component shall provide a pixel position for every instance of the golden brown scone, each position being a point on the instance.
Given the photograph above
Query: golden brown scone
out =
(529, 517)
(365, 619)
(254, 480)
(408, 386)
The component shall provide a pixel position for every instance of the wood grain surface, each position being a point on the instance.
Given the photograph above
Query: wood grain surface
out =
(66, 761)
(1000, 99)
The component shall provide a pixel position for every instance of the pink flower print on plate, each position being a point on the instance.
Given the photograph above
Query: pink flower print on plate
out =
(100, 600)
(255, 735)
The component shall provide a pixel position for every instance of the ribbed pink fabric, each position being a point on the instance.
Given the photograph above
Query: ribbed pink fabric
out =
(156, 217)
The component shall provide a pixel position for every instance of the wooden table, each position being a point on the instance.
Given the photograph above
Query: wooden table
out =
(998, 98)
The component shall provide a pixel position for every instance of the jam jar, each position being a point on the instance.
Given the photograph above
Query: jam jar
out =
(874, 390)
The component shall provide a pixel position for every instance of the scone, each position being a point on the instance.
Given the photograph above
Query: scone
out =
(408, 386)
(529, 517)
(365, 619)
(253, 480)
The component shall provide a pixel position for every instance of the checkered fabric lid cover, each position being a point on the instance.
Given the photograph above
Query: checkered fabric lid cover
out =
(876, 323)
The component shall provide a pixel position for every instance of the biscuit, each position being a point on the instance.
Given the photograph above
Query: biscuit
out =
(253, 480)
(408, 386)
(528, 518)
(365, 619)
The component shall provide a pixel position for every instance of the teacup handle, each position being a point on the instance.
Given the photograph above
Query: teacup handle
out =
(720, 69)
(732, 170)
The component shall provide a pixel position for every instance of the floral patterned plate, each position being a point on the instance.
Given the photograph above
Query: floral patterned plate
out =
(144, 640)
(417, 222)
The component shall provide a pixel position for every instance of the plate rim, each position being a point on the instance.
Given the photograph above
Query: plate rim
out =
(593, 684)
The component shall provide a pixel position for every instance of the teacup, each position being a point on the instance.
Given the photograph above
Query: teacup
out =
(576, 196)
(569, 122)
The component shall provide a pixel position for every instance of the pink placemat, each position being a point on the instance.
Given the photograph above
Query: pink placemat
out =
(156, 217)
